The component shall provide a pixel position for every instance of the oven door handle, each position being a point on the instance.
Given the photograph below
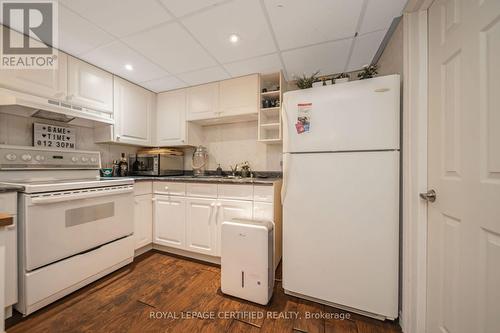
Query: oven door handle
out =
(78, 195)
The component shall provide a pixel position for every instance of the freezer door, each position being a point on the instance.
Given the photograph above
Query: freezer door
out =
(358, 115)
(340, 229)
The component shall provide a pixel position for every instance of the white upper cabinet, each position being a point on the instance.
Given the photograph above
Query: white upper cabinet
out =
(89, 86)
(239, 96)
(171, 118)
(50, 83)
(133, 111)
(202, 101)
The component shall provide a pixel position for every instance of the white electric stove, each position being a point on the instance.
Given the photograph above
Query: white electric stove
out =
(74, 226)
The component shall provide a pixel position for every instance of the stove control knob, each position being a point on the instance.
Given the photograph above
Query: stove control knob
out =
(26, 157)
(85, 159)
(11, 157)
(74, 159)
(93, 160)
(40, 158)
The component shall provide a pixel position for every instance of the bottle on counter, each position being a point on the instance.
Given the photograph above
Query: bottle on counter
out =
(218, 171)
(115, 169)
(123, 166)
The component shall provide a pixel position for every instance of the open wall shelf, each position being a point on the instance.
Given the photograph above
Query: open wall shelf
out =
(271, 99)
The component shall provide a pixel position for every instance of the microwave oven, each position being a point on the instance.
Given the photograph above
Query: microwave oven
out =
(157, 162)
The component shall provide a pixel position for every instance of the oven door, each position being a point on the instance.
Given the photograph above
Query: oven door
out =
(58, 225)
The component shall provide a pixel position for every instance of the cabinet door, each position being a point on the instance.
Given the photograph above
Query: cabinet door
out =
(171, 118)
(228, 210)
(8, 239)
(49, 83)
(170, 221)
(201, 225)
(239, 96)
(202, 101)
(263, 211)
(89, 86)
(143, 220)
(133, 111)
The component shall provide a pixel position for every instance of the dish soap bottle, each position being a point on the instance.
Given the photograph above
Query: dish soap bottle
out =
(123, 166)
(218, 171)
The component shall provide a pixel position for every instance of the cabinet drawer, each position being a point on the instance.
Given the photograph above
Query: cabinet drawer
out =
(143, 187)
(169, 188)
(201, 190)
(230, 191)
(8, 203)
(263, 193)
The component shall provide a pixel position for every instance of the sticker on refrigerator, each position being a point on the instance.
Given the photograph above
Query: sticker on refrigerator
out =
(303, 124)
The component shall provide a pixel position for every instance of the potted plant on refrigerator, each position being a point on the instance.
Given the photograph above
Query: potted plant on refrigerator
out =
(305, 82)
(368, 72)
(342, 77)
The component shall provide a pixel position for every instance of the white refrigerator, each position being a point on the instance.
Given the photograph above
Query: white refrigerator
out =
(341, 195)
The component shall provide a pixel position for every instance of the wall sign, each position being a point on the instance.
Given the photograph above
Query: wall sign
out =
(52, 136)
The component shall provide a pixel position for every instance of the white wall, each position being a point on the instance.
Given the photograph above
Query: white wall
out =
(229, 144)
(16, 130)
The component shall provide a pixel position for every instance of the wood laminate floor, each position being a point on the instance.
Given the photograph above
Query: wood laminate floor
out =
(164, 293)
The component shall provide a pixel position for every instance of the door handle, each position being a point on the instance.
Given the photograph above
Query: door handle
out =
(429, 196)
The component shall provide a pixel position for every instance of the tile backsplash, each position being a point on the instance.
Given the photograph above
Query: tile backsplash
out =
(227, 144)
(15, 130)
(233, 143)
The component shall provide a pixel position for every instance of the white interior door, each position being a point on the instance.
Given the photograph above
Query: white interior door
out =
(464, 167)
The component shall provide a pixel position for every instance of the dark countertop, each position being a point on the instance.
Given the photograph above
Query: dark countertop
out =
(10, 188)
(209, 179)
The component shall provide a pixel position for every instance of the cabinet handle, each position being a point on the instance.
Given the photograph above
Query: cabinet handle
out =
(153, 199)
(219, 204)
(166, 188)
(212, 204)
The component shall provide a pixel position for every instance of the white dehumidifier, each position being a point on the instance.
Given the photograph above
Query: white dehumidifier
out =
(247, 252)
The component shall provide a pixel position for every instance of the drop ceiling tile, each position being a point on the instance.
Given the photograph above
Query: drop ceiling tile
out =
(297, 22)
(365, 47)
(242, 17)
(115, 55)
(204, 76)
(182, 7)
(265, 64)
(379, 17)
(171, 47)
(120, 18)
(77, 35)
(163, 84)
(328, 58)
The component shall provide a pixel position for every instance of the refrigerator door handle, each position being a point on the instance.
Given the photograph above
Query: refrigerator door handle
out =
(284, 126)
(286, 156)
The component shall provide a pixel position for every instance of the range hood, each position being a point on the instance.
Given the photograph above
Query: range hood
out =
(25, 105)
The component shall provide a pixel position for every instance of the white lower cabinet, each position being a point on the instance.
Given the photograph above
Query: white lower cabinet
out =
(169, 228)
(189, 216)
(228, 210)
(263, 211)
(201, 228)
(143, 220)
(8, 240)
